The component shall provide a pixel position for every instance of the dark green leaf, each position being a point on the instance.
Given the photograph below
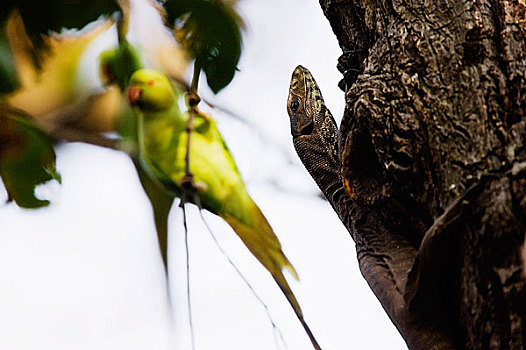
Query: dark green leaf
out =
(8, 73)
(27, 159)
(211, 31)
(176, 8)
(41, 16)
(118, 64)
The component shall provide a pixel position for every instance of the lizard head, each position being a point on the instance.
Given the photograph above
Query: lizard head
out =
(304, 102)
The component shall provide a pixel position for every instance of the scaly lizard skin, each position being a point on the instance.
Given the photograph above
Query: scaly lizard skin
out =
(316, 138)
(384, 261)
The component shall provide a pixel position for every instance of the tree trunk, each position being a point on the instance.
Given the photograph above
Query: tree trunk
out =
(433, 160)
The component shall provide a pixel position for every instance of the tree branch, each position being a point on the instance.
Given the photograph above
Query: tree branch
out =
(436, 97)
(72, 134)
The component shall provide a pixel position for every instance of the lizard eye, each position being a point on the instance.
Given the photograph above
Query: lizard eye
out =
(294, 105)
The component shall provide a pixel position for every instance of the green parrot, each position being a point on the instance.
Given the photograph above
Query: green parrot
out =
(220, 188)
(116, 65)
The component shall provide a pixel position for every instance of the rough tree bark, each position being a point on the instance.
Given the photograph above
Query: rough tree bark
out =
(433, 157)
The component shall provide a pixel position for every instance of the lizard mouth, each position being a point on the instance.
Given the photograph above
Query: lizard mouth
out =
(307, 129)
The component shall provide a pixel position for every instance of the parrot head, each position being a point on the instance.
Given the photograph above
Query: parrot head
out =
(150, 91)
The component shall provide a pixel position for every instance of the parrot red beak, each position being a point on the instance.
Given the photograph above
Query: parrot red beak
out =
(133, 93)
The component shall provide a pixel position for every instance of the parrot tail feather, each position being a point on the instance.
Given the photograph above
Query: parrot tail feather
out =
(260, 239)
(285, 288)
(292, 271)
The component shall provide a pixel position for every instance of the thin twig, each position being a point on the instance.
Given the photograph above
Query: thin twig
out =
(278, 335)
(193, 101)
(190, 322)
(229, 112)
(180, 81)
(64, 132)
(123, 21)
(189, 129)
(187, 184)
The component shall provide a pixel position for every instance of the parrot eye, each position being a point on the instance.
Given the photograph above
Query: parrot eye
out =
(294, 105)
(151, 82)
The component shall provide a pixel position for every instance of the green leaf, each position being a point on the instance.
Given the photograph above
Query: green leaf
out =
(118, 64)
(211, 31)
(8, 73)
(41, 16)
(128, 61)
(27, 158)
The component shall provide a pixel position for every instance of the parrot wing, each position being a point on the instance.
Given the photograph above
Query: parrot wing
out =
(246, 219)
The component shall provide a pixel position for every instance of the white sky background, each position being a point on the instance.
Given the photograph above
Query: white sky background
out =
(86, 273)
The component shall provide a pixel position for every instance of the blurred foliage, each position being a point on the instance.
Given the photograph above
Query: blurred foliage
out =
(39, 78)
(48, 92)
(40, 17)
(211, 31)
(27, 158)
(117, 65)
(8, 78)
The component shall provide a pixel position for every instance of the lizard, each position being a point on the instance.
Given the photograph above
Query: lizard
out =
(316, 138)
(318, 143)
